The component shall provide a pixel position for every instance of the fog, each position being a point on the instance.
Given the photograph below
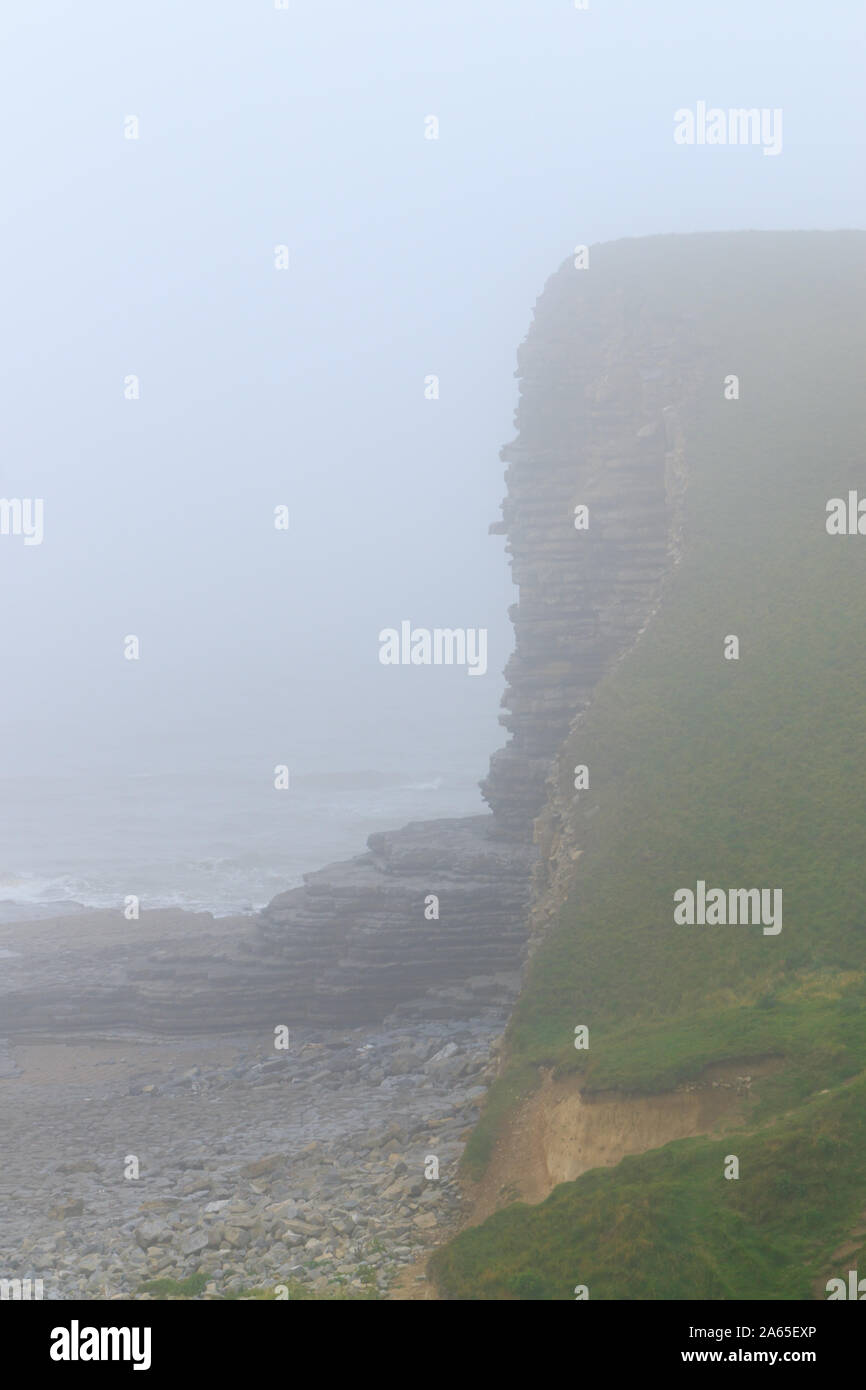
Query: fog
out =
(305, 387)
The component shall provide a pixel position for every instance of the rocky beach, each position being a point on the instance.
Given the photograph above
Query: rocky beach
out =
(294, 1174)
(324, 1166)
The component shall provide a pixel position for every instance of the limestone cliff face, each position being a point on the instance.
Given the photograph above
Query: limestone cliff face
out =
(602, 381)
(601, 385)
(604, 384)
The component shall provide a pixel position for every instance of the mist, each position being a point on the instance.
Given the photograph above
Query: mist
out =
(408, 257)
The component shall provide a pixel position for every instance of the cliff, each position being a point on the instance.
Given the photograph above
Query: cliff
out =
(720, 748)
(602, 380)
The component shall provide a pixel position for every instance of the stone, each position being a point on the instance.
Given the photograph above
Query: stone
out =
(151, 1234)
(195, 1243)
(72, 1207)
(262, 1166)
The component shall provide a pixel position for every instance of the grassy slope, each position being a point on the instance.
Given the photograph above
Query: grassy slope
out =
(745, 774)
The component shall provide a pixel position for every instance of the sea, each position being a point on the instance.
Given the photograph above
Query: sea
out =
(221, 840)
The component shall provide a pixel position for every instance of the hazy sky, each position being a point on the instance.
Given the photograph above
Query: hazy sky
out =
(408, 256)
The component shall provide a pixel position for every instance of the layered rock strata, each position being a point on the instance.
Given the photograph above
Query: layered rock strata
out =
(602, 385)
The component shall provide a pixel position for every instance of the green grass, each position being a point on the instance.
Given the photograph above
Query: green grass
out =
(745, 774)
(298, 1292)
(669, 1225)
(190, 1287)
